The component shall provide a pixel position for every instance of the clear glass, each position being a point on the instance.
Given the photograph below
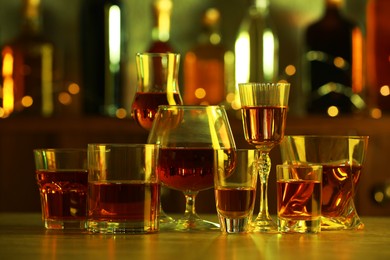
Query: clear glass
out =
(299, 196)
(264, 112)
(62, 178)
(123, 188)
(157, 75)
(235, 190)
(342, 159)
(188, 137)
(157, 85)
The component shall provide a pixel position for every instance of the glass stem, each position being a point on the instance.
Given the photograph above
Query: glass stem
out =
(264, 167)
(190, 211)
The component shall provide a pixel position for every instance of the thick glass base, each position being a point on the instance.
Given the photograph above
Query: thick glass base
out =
(111, 227)
(234, 225)
(264, 224)
(299, 226)
(194, 223)
(65, 224)
(166, 222)
(342, 223)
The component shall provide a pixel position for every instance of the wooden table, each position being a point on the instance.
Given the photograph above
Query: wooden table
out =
(23, 237)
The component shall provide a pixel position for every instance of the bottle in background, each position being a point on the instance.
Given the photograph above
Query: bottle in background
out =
(378, 53)
(257, 46)
(103, 53)
(204, 65)
(27, 68)
(335, 63)
(162, 10)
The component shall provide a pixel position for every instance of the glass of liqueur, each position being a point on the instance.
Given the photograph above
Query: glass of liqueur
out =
(123, 188)
(342, 159)
(188, 137)
(157, 85)
(62, 178)
(264, 112)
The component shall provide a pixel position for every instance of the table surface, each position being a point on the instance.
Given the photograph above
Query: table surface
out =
(22, 236)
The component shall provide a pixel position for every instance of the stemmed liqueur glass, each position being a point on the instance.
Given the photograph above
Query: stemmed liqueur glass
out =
(188, 137)
(157, 75)
(264, 112)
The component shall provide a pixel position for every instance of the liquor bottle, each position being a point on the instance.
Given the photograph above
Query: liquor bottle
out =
(27, 64)
(103, 52)
(378, 53)
(162, 10)
(257, 46)
(335, 63)
(204, 72)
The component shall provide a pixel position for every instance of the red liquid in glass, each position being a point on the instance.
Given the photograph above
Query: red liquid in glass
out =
(145, 106)
(264, 125)
(63, 194)
(189, 169)
(338, 188)
(133, 200)
(235, 202)
(299, 199)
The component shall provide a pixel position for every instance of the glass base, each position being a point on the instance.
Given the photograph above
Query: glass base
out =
(342, 223)
(110, 227)
(195, 223)
(264, 224)
(65, 224)
(235, 225)
(299, 226)
(166, 222)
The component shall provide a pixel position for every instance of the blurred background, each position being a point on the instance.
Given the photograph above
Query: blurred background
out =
(72, 29)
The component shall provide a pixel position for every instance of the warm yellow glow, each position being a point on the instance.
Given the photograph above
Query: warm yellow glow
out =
(268, 55)
(164, 22)
(230, 97)
(121, 113)
(73, 88)
(200, 93)
(357, 64)
(290, 70)
(47, 80)
(339, 62)
(64, 98)
(8, 82)
(385, 90)
(114, 37)
(333, 111)
(242, 50)
(27, 101)
(376, 113)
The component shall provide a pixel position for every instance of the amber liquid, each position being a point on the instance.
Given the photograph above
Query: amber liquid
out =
(63, 194)
(145, 106)
(235, 202)
(114, 201)
(338, 185)
(189, 169)
(264, 126)
(299, 200)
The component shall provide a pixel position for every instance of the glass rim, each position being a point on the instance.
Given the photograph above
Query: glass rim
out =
(157, 54)
(60, 150)
(264, 84)
(130, 145)
(362, 137)
(191, 106)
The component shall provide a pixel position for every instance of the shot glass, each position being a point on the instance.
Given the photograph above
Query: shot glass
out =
(235, 189)
(299, 198)
(62, 178)
(123, 188)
